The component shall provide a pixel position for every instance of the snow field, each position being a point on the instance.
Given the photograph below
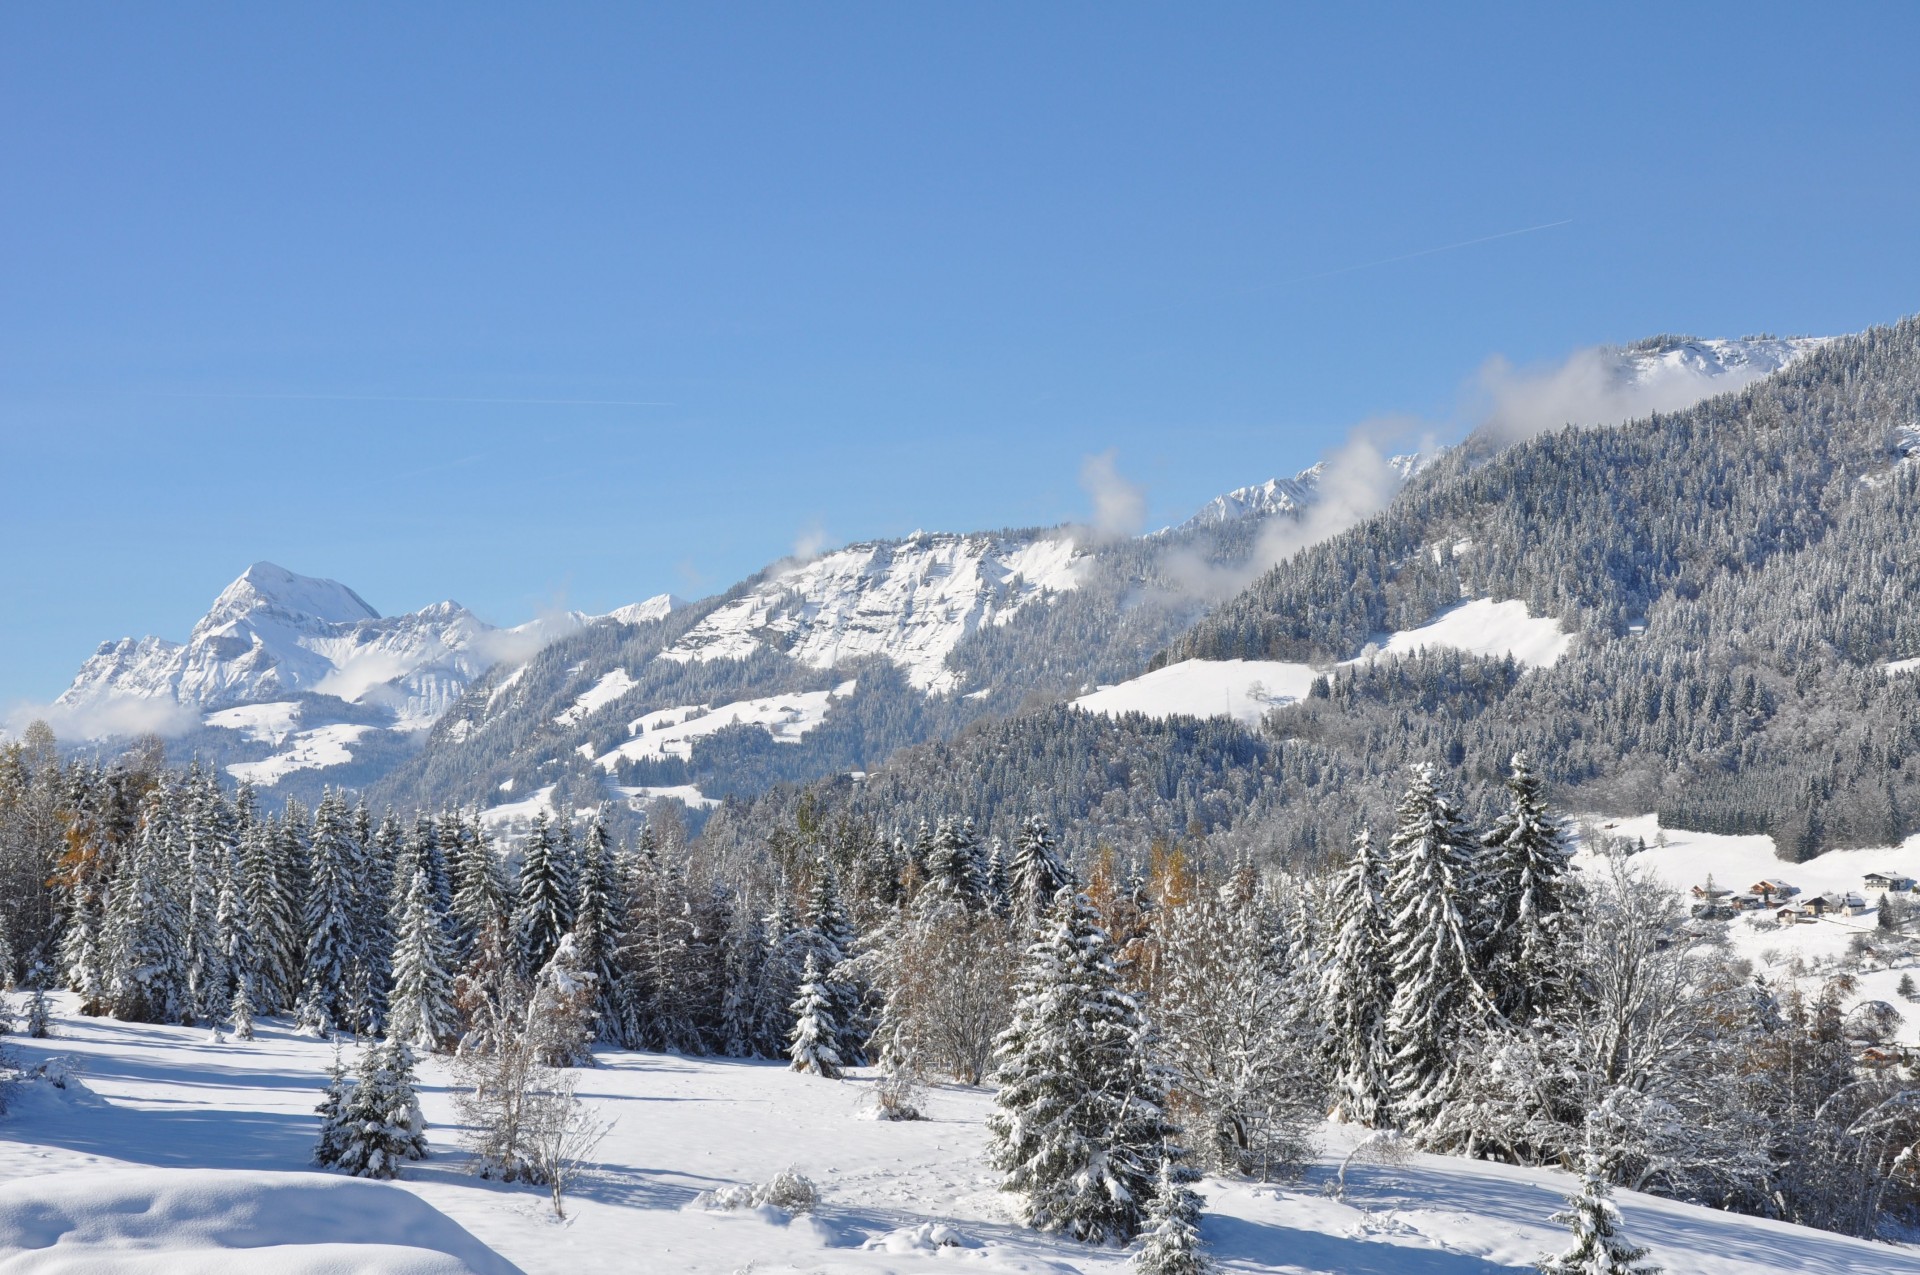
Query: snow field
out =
(305, 750)
(670, 732)
(899, 1198)
(1245, 689)
(1686, 859)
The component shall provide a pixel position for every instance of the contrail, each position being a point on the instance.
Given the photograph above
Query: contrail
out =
(393, 398)
(1424, 252)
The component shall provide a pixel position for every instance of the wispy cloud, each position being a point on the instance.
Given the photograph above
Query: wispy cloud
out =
(1119, 505)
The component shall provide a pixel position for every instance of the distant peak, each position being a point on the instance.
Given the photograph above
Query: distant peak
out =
(271, 585)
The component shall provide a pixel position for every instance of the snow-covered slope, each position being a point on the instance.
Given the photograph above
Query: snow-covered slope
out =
(910, 601)
(895, 1198)
(1245, 689)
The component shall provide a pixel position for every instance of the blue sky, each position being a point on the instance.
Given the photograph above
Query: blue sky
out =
(573, 304)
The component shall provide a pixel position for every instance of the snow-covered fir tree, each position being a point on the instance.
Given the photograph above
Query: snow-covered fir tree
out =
(1525, 875)
(829, 937)
(953, 863)
(1170, 1241)
(271, 870)
(816, 1029)
(1598, 1246)
(1437, 998)
(1356, 989)
(208, 838)
(143, 945)
(327, 999)
(36, 1022)
(420, 1008)
(1037, 873)
(479, 889)
(332, 1111)
(1080, 1125)
(544, 912)
(242, 963)
(599, 915)
(376, 1126)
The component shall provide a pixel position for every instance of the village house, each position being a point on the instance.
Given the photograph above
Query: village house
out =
(1895, 881)
(1771, 890)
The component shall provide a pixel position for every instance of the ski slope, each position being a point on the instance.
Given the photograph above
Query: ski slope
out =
(160, 1103)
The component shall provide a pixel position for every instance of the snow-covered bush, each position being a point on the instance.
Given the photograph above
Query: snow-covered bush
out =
(789, 1190)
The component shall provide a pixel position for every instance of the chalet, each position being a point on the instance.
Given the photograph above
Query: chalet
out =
(1888, 881)
(1771, 890)
(1823, 904)
(1791, 915)
(1710, 891)
(1747, 902)
(1853, 904)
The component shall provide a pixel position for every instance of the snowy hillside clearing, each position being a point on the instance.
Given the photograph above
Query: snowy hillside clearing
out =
(169, 1101)
(261, 723)
(670, 732)
(611, 686)
(910, 602)
(1245, 689)
(1682, 860)
(314, 749)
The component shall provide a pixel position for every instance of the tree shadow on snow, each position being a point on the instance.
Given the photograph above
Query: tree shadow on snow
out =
(1239, 1243)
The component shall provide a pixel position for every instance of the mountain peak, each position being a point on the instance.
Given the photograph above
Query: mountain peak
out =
(265, 584)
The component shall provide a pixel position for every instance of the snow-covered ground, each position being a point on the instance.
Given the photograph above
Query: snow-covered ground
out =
(1683, 860)
(611, 686)
(161, 1102)
(670, 732)
(1245, 689)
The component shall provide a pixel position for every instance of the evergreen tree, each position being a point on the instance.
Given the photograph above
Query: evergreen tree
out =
(545, 911)
(1037, 874)
(1171, 1239)
(144, 942)
(1080, 1126)
(479, 889)
(270, 871)
(240, 1010)
(952, 864)
(327, 1000)
(333, 1114)
(829, 936)
(207, 843)
(597, 930)
(815, 1028)
(1356, 989)
(379, 1126)
(1598, 1247)
(421, 1009)
(1527, 889)
(1430, 954)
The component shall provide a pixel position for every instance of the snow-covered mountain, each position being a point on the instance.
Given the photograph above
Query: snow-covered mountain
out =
(1289, 496)
(910, 601)
(1738, 360)
(306, 668)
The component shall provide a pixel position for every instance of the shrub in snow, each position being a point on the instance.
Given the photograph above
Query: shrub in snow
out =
(791, 1191)
(560, 1018)
(562, 1133)
(1598, 1247)
(39, 1020)
(896, 1096)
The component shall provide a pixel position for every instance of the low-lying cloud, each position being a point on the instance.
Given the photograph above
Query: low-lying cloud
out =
(118, 717)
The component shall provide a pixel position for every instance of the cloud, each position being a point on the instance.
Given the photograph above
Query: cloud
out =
(1500, 405)
(1119, 506)
(1356, 480)
(522, 642)
(1589, 387)
(118, 717)
(811, 540)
